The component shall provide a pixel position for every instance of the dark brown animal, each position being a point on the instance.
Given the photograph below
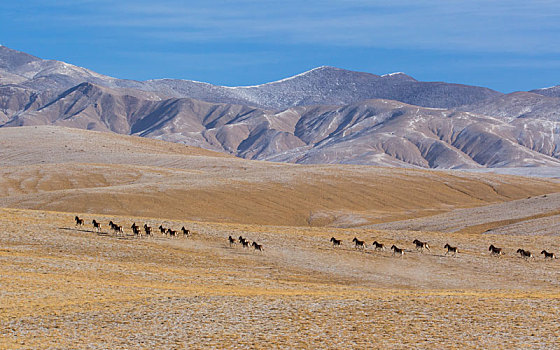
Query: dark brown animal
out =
(186, 232)
(171, 232)
(96, 225)
(116, 228)
(231, 241)
(421, 245)
(548, 255)
(79, 222)
(135, 229)
(495, 250)
(163, 230)
(397, 250)
(450, 249)
(378, 246)
(525, 254)
(148, 230)
(257, 246)
(335, 241)
(358, 243)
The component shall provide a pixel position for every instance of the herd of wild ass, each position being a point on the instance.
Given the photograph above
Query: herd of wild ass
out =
(358, 244)
(244, 243)
(147, 230)
(166, 231)
(420, 246)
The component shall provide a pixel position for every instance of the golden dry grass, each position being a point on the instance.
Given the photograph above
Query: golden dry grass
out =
(76, 170)
(67, 287)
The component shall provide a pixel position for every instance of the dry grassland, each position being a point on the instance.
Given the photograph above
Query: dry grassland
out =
(68, 287)
(75, 170)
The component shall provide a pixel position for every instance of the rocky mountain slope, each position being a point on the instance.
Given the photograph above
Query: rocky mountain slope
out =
(327, 116)
(518, 105)
(322, 85)
(553, 91)
(330, 86)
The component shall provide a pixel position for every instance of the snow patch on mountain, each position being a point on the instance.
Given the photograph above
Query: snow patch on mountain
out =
(282, 80)
(392, 74)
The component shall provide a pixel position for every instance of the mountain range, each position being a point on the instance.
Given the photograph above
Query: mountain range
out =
(325, 115)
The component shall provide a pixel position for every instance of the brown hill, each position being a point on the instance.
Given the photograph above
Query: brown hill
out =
(52, 168)
(371, 132)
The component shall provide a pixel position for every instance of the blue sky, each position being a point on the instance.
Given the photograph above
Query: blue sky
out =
(505, 45)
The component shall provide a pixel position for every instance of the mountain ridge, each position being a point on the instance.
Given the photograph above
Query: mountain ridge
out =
(491, 130)
(320, 85)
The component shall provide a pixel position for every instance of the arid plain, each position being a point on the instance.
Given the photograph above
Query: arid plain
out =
(66, 286)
